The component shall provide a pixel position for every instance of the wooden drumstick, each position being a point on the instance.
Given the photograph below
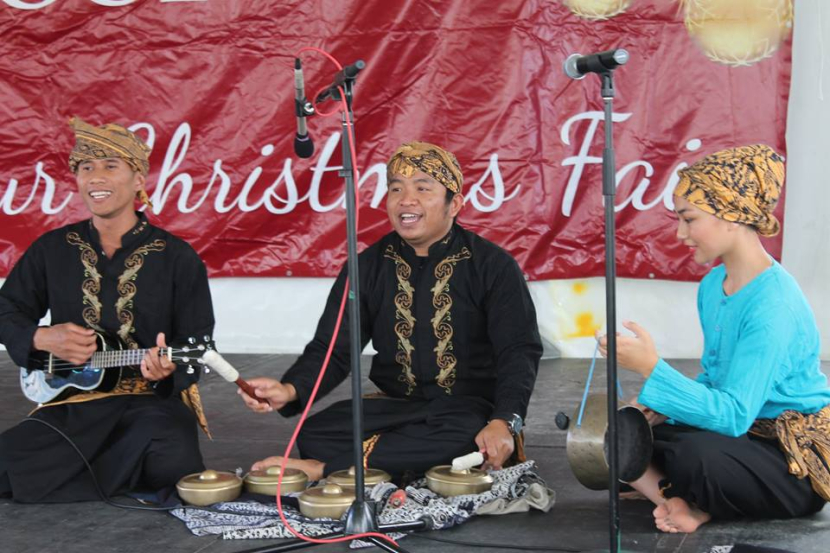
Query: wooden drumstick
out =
(216, 362)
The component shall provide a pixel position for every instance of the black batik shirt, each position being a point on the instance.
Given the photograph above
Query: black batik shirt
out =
(154, 283)
(457, 322)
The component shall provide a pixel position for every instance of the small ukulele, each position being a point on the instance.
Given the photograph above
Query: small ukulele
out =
(57, 379)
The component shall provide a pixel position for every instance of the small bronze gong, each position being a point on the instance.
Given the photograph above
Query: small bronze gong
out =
(446, 481)
(587, 444)
(265, 481)
(329, 501)
(208, 487)
(345, 478)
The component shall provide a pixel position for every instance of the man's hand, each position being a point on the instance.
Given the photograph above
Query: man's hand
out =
(155, 366)
(636, 353)
(66, 341)
(277, 394)
(496, 443)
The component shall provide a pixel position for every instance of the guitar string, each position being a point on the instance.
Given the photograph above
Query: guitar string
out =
(131, 357)
(70, 366)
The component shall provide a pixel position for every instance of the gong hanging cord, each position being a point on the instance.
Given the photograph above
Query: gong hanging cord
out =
(588, 386)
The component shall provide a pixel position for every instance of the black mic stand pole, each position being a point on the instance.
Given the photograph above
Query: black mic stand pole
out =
(362, 516)
(609, 191)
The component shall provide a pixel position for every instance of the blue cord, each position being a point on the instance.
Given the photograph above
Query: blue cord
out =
(588, 386)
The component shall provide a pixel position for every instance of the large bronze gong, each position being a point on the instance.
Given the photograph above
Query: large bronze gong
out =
(587, 444)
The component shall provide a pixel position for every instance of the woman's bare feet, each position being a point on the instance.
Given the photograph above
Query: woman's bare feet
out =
(312, 468)
(676, 515)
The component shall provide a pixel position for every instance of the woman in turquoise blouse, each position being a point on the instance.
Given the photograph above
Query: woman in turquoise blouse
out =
(750, 436)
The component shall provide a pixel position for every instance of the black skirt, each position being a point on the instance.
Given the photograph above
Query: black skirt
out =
(728, 477)
(403, 437)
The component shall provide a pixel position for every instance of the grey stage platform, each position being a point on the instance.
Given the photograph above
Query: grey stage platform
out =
(578, 521)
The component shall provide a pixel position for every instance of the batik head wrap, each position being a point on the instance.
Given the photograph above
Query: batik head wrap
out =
(109, 141)
(740, 185)
(432, 160)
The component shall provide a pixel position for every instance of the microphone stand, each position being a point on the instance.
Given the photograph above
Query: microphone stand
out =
(576, 67)
(362, 516)
(609, 191)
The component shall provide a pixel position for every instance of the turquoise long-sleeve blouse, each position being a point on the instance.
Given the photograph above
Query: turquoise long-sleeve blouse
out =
(760, 358)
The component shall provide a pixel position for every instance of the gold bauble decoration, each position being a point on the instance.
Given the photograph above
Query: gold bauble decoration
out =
(597, 9)
(738, 32)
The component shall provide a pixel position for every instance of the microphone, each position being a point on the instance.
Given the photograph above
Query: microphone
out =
(303, 146)
(348, 73)
(577, 65)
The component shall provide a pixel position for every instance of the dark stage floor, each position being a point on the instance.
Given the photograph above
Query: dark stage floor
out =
(579, 520)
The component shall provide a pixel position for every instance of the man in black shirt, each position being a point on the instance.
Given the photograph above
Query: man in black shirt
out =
(454, 326)
(115, 275)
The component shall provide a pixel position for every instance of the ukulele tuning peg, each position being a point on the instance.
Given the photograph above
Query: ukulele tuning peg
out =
(185, 349)
(201, 361)
(201, 347)
(206, 338)
(191, 340)
(207, 369)
(190, 370)
(186, 359)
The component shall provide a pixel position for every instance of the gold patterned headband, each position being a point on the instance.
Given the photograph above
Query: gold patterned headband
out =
(429, 158)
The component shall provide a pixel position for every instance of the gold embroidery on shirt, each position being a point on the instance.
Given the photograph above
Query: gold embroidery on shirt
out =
(91, 286)
(369, 446)
(442, 320)
(403, 315)
(137, 230)
(193, 399)
(127, 290)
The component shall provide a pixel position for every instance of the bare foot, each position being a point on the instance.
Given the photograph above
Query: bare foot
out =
(676, 515)
(312, 468)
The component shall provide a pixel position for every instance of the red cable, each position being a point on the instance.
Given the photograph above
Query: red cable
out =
(334, 61)
(350, 131)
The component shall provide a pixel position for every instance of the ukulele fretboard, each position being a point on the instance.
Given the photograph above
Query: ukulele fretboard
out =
(117, 358)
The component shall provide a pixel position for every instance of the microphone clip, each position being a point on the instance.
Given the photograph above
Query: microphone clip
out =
(304, 108)
(344, 78)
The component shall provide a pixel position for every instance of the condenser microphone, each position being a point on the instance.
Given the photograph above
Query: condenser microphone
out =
(303, 146)
(577, 65)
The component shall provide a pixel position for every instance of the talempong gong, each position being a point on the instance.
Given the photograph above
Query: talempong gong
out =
(329, 501)
(265, 481)
(208, 487)
(587, 444)
(345, 478)
(446, 481)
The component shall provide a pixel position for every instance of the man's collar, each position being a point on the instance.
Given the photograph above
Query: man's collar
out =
(135, 234)
(436, 249)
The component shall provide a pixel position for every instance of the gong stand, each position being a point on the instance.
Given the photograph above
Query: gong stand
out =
(362, 516)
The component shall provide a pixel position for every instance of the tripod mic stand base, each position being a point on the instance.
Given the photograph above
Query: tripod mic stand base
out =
(367, 510)
(361, 517)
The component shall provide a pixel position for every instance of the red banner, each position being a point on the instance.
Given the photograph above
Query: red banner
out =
(209, 84)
